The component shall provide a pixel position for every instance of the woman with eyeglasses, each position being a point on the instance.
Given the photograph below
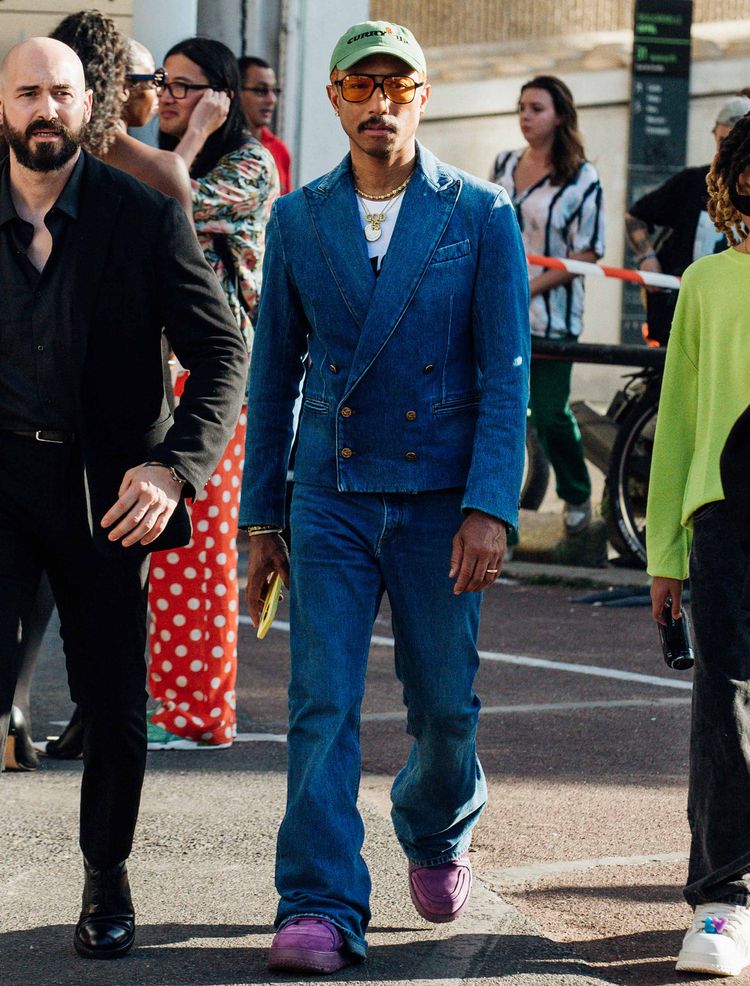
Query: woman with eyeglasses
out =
(121, 72)
(558, 201)
(162, 169)
(194, 593)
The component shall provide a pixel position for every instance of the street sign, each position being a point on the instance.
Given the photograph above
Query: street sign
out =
(658, 116)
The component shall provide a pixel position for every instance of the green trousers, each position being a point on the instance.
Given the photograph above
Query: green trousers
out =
(557, 429)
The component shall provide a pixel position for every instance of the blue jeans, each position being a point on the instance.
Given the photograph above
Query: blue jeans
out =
(347, 549)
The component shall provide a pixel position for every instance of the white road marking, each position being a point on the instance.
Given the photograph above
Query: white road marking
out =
(260, 738)
(501, 710)
(536, 871)
(539, 662)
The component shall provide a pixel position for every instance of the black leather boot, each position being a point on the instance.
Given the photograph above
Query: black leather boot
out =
(106, 927)
(69, 744)
(19, 752)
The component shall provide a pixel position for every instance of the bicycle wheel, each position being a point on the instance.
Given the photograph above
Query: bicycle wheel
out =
(535, 472)
(627, 479)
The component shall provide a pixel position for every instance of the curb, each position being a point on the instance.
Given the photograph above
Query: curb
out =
(548, 573)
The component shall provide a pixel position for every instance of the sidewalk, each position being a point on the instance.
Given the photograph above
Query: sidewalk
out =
(202, 878)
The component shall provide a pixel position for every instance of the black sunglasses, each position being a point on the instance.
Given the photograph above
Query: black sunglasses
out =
(262, 90)
(157, 78)
(397, 88)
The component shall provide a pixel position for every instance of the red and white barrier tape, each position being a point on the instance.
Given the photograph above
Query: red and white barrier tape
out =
(646, 278)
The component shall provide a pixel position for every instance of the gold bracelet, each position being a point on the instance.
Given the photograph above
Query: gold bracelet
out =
(261, 529)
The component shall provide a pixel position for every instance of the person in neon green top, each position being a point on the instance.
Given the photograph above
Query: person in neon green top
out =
(706, 388)
(688, 530)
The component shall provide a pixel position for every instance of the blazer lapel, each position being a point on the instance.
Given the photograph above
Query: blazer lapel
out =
(335, 218)
(427, 206)
(93, 233)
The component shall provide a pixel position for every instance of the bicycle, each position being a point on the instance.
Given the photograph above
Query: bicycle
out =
(620, 441)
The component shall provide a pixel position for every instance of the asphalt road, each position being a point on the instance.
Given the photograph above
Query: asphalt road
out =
(579, 857)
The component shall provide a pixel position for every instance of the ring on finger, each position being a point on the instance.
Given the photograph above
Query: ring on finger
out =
(492, 571)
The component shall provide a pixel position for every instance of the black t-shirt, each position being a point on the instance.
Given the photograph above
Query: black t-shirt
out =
(37, 320)
(677, 205)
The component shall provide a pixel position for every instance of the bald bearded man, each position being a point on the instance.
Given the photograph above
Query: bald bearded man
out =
(93, 468)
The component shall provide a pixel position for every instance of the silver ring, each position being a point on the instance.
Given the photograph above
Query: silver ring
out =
(492, 571)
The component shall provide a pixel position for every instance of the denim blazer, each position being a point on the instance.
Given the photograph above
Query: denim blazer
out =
(416, 379)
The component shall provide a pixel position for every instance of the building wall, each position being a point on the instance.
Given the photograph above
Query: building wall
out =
(160, 25)
(21, 19)
(445, 22)
(262, 24)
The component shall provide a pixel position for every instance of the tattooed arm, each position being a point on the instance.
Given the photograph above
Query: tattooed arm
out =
(637, 233)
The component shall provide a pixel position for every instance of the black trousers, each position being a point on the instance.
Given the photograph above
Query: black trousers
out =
(102, 607)
(719, 787)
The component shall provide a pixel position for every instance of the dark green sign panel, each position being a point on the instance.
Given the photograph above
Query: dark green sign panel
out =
(659, 115)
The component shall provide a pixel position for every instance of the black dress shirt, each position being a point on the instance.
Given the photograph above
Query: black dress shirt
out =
(37, 387)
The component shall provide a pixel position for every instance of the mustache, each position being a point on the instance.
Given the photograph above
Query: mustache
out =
(49, 126)
(376, 121)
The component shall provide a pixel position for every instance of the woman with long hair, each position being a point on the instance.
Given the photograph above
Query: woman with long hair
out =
(689, 531)
(194, 592)
(558, 200)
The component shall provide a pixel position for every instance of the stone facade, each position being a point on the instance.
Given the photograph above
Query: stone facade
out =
(20, 19)
(445, 22)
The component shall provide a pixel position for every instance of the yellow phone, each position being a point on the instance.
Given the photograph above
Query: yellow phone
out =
(271, 599)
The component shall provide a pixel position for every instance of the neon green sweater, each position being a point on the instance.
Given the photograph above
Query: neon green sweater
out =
(706, 388)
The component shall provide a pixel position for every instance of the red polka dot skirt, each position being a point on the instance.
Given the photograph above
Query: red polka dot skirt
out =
(194, 603)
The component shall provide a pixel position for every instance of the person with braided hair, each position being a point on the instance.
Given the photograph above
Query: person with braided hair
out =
(689, 530)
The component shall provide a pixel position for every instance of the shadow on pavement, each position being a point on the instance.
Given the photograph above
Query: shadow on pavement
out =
(646, 958)
(181, 955)
(666, 893)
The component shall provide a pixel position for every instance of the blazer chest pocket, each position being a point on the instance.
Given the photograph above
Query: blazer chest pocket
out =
(451, 251)
(315, 405)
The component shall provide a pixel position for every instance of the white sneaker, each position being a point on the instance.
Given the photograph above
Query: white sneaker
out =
(577, 516)
(718, 940)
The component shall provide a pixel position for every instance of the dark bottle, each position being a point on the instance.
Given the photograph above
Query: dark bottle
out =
(676, 640)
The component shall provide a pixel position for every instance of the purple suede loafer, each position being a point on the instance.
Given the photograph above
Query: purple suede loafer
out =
(308, 945)
(441, 893)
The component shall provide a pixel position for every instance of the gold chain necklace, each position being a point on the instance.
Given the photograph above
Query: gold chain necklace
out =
(388, 195)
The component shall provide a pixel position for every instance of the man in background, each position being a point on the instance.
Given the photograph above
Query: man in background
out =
(678, 208)
(260, 94)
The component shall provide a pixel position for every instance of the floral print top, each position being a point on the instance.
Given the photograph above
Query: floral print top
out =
(234, 201)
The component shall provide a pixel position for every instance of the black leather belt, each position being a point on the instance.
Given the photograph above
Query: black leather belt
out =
(47, 435)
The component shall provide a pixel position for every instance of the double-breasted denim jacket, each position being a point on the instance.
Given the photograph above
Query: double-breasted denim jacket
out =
(414, 380)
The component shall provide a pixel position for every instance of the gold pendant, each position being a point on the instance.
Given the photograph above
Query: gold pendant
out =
(374, 230)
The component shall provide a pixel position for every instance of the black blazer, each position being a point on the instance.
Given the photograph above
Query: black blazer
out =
(140, 270)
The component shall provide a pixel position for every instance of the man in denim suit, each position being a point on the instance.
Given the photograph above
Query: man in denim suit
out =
(401, 283)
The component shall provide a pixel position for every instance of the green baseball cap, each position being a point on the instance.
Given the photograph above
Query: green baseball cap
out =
(377, 38)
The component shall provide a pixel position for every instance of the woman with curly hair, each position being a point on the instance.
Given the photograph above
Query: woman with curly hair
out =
(558, 200)
(689, 531)
(194, 594)
(117, 70)
(99, 45)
